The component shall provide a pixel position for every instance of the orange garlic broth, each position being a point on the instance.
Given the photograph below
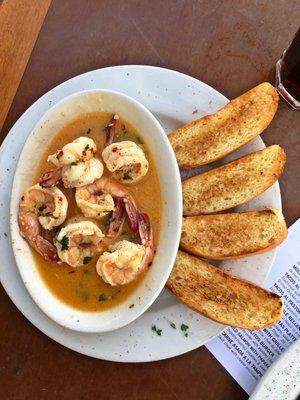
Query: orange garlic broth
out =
(81, 287)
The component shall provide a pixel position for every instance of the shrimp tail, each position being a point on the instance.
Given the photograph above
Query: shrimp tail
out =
(117, 219)
(111, 130)
(146, 234)
(51, 178)
(145, 229)
(31, 230)
(132, 214)
(46, 249)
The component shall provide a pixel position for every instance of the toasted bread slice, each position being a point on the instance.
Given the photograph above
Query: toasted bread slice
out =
(221, 297)
(233, 183)
(236, 235)
(214, 136)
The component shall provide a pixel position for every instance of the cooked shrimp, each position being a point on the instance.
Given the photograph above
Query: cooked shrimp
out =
(75, 175)
(77, 243)
(125, 260)
(126, 160)
(106, 195)
(39, 208)
(50, 205)
(94, 205)
(83, 173)
(81, 149)
(76, 165)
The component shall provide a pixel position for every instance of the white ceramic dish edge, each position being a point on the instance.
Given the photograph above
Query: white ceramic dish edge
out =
(56, 117)
(282, 378)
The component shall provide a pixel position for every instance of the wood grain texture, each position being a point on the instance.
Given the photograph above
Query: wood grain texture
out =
(20, 23)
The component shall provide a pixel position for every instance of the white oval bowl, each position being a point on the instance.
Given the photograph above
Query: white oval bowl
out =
(136, 114)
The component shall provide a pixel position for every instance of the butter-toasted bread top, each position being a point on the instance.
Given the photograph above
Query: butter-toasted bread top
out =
(214, 136)
(221, 297)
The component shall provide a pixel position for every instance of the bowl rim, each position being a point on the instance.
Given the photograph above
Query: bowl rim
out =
(177, 204)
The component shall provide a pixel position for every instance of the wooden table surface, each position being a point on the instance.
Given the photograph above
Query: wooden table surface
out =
(232, 46)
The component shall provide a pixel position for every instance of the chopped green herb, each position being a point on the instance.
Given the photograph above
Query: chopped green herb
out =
(5, 234)
(105, 128)
(64, 243)
(87, 259)
(103, 297)
(127, 176)
(106, 219)
(131, 306)
(186, 334)
(184, 327)
(172, 325)
(156, 330)
(73, 163)
(119, 135)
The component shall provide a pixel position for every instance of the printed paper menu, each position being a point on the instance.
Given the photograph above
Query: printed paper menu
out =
(246, 355)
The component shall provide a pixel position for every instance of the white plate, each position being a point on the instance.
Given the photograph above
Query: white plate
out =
(174, 99)
(282, 379)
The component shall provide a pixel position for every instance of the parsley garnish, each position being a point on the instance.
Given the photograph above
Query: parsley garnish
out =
(184, 327)
(172, 325)
(103, 297)
(156, 330)
(64, 243)
(127, 176)
(131, 306)
(5, 234)
(105, 128)
(87, 259)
